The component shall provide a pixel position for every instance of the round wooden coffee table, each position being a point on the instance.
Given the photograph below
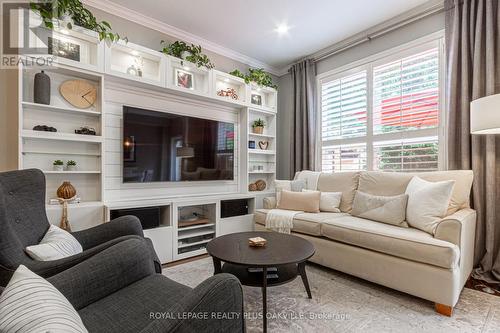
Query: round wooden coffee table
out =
(280, 261)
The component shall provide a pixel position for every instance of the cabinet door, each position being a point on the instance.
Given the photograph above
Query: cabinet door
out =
(162, 242)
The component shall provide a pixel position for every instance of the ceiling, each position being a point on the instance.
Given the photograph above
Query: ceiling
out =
(248, 27)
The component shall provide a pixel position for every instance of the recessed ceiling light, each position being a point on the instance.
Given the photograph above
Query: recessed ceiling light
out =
(135, 53)
(186, 68)
(226, 80)
(282, 28)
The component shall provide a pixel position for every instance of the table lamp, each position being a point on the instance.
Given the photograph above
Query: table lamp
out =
(485, 115)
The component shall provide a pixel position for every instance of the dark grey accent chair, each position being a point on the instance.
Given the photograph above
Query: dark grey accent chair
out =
(23, 222)
(118, 291)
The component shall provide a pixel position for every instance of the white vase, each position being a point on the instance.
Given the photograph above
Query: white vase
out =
(185, 54)
(58, 167)
(71, 168)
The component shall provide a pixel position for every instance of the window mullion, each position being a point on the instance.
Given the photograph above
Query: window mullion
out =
(369, 122)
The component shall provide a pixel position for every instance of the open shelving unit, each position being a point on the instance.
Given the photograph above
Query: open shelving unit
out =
(38, 149)
(196, 225)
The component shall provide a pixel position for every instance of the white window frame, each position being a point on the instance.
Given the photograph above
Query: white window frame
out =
(433, 40)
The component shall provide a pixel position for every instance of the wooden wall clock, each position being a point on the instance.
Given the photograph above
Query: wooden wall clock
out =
(80, 93)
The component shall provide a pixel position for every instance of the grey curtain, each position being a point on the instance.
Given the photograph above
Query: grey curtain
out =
(473, 71)
(303, 138)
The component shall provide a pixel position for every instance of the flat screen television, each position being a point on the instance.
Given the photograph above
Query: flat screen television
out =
(167, 147)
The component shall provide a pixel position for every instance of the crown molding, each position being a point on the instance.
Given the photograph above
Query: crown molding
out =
(123, 12)
(426, 9)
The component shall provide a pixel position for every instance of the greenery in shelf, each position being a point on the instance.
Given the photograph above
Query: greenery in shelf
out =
(81, 16)
(71, 163)
(256, 75)
(191, 53)
(258, 123)
(58, 162)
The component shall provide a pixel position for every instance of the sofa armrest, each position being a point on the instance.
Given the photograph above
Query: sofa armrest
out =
(106, 272)
(269, 202)
(457, 227)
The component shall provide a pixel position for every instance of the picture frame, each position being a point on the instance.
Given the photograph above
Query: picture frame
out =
(63, 49)
(184, 79)
(256, 99)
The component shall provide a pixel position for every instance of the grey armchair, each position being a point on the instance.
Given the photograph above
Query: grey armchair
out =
(23, 222)
(118, 291)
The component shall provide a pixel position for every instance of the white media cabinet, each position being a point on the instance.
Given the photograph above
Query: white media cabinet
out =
(98, 179)
(173, 241)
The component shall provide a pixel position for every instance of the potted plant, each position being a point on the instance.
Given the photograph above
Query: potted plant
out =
(71, 165)
(58, 165)
(191, 53)
(69, 12)
(258, 126)
(256, 75)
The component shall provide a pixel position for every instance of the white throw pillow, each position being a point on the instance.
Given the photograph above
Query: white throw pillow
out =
(329, 201)
(56, 244)
(427, 203)
(30, 304)
(385, 209)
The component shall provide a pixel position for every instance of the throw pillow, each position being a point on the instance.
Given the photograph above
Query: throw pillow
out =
(56, 244)
(288, 185)
(300, 201)
(329, 202)
(427, 203)
(30, 303)
(385, 209)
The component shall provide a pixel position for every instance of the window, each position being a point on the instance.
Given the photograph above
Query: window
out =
(384, 114)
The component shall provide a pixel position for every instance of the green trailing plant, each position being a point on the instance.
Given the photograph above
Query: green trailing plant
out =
(239, 74)
(258, 123)
(71, 163)
(58, 162)
(194, 53)
(81, 16)
(256, 75)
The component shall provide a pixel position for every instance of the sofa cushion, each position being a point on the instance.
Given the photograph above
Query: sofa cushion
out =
(301, 201)
(345, 182)
(381, 208)
(305, 223)
(408, 243)
(394, 183)
(128, 310)
(427, 203)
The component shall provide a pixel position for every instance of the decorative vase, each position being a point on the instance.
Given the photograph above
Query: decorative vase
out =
(71, 168)
(41, 91)
(66, 191)
(58, 167)
(185, 54)
(258, 129)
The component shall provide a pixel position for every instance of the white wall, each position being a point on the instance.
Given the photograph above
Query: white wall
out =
(395, 38)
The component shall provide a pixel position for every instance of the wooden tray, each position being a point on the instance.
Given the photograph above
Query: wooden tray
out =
(182, 224)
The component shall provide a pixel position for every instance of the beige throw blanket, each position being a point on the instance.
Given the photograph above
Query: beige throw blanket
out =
(281, 220)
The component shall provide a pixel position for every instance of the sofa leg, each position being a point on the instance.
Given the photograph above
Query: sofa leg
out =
(445, 310)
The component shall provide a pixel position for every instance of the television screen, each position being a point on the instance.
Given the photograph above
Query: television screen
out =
(167, 147)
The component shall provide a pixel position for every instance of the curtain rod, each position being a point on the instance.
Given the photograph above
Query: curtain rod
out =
(378, 33)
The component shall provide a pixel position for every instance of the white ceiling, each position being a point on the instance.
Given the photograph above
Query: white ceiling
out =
(248, 26)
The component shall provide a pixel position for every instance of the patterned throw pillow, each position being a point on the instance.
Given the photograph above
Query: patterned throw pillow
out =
(385, 209)
(30, 303)
(56, 244)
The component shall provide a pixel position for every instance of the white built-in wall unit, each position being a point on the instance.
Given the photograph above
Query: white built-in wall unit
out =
(126, 74)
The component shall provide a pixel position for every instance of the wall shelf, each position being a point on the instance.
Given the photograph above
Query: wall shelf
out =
(37, 106)
(61, 136)
(261, 152)
(70, 172)
(270, 136)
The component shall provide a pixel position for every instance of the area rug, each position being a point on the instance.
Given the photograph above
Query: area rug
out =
(342, 303)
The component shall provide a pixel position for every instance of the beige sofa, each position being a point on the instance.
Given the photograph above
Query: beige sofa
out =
(433, 267)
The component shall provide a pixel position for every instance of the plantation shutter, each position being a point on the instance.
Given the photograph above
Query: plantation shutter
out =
(406, 93)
